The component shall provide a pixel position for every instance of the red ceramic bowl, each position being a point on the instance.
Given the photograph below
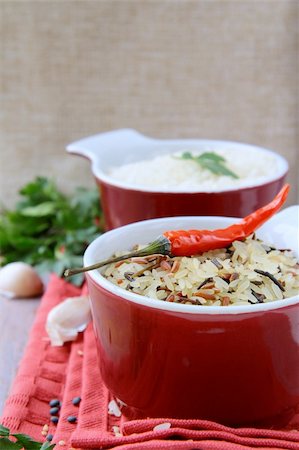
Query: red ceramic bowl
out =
(124, 203)
(238, 365)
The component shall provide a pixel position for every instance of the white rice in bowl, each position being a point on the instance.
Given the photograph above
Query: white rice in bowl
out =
(247, 272)
(171, 172)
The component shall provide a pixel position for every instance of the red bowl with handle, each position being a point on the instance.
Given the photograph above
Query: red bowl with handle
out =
(125, 203)
(238, 365)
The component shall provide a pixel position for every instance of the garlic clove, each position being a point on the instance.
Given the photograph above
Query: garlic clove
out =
(67, 319)
(113, 409)
(7, 294)
(19, 279)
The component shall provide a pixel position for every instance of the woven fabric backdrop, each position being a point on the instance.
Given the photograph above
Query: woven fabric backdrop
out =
(168, 68)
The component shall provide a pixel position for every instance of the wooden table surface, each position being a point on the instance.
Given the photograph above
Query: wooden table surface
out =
(16, 318)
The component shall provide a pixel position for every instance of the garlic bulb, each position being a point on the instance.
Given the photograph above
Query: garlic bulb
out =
(67, 319)
(19, 279)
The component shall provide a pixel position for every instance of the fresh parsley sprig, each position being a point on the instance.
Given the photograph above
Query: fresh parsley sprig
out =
(48, 229)
(211, 161)
(21, 441)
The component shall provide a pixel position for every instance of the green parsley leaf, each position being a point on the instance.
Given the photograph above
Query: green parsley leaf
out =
(38, 191)
(41, 210)
(6, 444)
(27, 442)
(48, 229)
(23, 441)
(4, 431)
(47, 446)
(210, 161)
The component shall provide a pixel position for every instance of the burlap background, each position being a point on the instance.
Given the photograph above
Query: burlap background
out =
(169, 68)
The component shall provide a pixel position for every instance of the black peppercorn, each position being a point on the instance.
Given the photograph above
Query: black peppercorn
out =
(54, 419)
(72, 419)
(76, 401)
(54, 402)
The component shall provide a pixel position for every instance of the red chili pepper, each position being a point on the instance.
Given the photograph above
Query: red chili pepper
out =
(193, 242)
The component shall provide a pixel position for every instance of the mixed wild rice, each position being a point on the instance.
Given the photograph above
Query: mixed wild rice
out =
(247, 272)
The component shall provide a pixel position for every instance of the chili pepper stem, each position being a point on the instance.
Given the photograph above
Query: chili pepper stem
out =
(160, 246)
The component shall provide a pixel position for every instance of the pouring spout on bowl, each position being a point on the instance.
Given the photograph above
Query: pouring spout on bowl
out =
(97, 148)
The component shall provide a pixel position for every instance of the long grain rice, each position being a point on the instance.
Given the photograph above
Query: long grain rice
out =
(197, 280)
(170, 172)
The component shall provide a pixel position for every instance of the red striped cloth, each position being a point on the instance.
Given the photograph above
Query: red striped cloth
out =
(73, 370)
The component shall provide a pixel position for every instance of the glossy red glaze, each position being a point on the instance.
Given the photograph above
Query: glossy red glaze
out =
(238, 369)
(122, 206)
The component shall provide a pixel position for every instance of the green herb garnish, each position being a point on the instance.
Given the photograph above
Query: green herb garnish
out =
(211, 161)
(48, 229)
(21, 441)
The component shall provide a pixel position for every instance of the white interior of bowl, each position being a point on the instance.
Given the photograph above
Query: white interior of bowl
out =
(281, 231)
(120, 147)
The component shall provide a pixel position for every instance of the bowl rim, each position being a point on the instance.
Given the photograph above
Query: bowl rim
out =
(99, 279)
(265, 180)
